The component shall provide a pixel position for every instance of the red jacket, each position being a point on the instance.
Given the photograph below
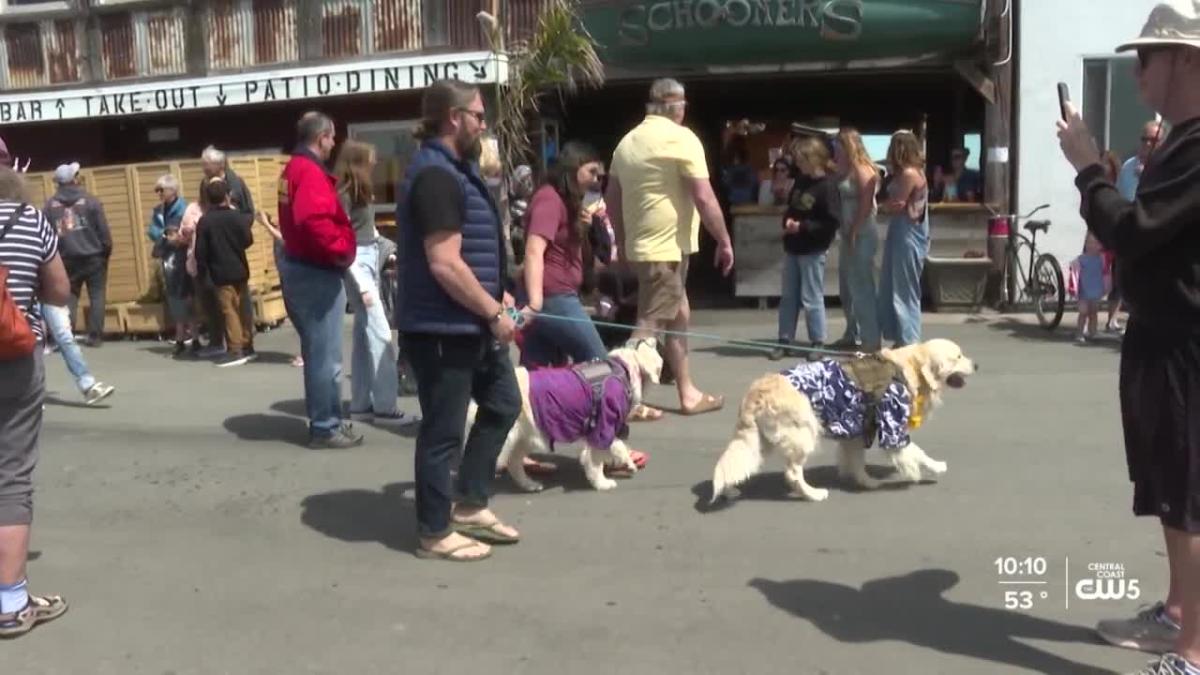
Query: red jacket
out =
(315, 227)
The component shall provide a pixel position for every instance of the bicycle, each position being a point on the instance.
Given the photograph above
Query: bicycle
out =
(1040, 282)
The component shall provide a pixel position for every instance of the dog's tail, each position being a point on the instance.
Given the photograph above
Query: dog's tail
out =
(741, 459)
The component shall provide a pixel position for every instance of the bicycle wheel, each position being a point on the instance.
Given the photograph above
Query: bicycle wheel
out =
(1050, 291)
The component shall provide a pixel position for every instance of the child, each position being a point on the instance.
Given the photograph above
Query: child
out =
(223, 237)
(1091, 291)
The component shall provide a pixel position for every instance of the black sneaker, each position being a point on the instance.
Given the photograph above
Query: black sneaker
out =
(231, 360)
(817, 355)
(779, 352)
(342, 438)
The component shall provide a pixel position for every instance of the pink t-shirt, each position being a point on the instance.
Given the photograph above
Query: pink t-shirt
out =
(563, 261)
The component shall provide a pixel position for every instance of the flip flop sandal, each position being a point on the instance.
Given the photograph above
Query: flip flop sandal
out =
(639, 460)
(484, 532)
(644, 413)
(708, 403)
(541, 469)
(39, 610)
(448, 555)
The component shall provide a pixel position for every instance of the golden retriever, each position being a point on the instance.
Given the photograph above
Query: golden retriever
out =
(776, 417)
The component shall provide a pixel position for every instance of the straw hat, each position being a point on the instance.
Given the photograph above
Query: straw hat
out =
(1175, 22)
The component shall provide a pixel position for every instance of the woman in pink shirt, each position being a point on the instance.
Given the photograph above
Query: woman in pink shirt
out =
(557, 234)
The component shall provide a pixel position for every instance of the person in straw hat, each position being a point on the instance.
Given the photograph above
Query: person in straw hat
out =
(1156, 239)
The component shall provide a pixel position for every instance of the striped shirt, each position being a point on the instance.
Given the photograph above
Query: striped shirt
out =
(30, 242)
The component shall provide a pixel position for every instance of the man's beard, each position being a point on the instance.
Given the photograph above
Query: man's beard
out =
(469, 148)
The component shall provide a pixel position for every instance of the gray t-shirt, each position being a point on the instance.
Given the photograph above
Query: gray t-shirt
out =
(362, 219)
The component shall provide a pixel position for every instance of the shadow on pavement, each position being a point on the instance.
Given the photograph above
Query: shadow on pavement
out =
(771, 487)
(910, 608)
(52, 399)
(387, 516)
(294, 407)
(259, 427)
(1064, 334)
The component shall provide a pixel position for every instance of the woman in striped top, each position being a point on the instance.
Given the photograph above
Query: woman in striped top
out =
(29, 251)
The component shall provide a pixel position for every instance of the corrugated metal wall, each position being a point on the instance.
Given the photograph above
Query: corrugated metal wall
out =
(241, 34)
(244, 33)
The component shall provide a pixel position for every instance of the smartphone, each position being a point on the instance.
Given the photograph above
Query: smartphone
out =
(1064, 97)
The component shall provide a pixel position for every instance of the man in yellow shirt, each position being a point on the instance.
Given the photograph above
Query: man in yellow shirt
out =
(658, 194)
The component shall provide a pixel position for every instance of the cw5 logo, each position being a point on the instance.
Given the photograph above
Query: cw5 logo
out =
(1108, 589)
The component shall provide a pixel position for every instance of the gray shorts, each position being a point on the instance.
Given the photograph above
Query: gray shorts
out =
(22, 388)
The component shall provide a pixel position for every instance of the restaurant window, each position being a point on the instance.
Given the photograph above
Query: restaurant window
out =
(394, 147)
(1112, 106)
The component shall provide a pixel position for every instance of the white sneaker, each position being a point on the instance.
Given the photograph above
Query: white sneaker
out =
(97, 393)
(1168, 664)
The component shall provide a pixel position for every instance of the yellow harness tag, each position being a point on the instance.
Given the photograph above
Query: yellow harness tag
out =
(918, 412)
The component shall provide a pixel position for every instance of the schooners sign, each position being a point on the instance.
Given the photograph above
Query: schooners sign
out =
(832, 19)
(660, 35)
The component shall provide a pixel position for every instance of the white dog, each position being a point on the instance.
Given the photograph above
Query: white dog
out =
(874, 400)
(588, 402)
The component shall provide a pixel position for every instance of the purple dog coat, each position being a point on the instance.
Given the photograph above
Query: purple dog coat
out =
(565, 411)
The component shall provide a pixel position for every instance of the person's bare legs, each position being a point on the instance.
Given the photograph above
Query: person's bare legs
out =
(1183, 559)
(677, 356)
(14, 549)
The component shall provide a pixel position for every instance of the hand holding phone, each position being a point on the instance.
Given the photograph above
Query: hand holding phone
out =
(1064, 97)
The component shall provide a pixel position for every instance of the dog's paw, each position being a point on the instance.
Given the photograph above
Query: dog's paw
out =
(731, 493)
(531, 486)
(936, 468)
(604, 484)
(812, 495)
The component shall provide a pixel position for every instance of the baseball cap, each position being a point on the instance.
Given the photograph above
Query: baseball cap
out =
(1176, 22)
(65, 173)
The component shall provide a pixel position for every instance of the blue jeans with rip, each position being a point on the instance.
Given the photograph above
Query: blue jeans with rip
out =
(803, 287)
(58, 321)
(374, 382)
(904, 253)
(315, 298)
(451, 370)
(550, 341)
(856, 282)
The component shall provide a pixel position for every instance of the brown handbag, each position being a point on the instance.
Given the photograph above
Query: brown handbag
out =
(17, 340)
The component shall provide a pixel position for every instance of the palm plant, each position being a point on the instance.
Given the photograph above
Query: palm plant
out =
(559, 59)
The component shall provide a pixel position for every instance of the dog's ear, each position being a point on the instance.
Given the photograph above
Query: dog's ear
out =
(930, 370)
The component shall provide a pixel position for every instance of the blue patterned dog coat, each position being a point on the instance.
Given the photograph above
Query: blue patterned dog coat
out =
(842, 405)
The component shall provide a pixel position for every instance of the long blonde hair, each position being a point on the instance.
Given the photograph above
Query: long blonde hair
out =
(353, 171)
(852, 145)
(814, 152)
(905, 152)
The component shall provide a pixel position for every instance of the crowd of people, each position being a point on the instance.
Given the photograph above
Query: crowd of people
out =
(459, 310)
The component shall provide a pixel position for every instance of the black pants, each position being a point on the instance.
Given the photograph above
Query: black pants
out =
(450, 371)
(92, 271)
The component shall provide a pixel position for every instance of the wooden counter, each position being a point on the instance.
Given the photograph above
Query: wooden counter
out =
(954, 230)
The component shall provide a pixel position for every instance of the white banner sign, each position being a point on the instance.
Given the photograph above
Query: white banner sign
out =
(397, 74)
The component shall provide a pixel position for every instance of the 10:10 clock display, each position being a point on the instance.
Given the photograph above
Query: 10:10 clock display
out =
(1010, 566)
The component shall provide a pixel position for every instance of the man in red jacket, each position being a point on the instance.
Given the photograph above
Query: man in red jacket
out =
(318, 244)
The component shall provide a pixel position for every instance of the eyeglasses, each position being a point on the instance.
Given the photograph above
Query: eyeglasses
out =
(158, 190)
(479, 116)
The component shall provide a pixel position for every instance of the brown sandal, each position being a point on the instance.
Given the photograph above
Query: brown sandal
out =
(644, 413)
(449, 554)
(708, 403)
(39, 610)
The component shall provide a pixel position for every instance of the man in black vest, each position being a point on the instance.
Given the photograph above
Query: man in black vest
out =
(456, 330)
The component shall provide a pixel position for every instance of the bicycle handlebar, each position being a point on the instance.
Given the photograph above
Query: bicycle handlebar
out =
(1017, 217)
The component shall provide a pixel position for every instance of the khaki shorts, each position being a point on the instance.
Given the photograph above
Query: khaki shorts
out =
(662, 289)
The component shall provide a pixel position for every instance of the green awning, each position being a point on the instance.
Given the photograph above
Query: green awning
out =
(717, 34)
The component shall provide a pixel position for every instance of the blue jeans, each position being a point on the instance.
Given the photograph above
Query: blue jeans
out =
(856, 285)
(904, 254)
(451, 370)
(803, 286)
(374, 383)
(551, 341)
(315, 298)
(58, 320)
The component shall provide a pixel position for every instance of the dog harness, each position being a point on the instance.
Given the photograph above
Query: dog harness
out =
(589, 401)
(868, 400)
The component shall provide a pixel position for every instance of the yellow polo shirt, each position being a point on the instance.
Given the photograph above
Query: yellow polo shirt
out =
(652, 163)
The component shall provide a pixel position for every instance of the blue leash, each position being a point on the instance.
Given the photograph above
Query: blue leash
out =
(519, 319)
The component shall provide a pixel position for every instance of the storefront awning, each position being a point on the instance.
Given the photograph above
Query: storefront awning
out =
(223, 91)
(747, 35)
